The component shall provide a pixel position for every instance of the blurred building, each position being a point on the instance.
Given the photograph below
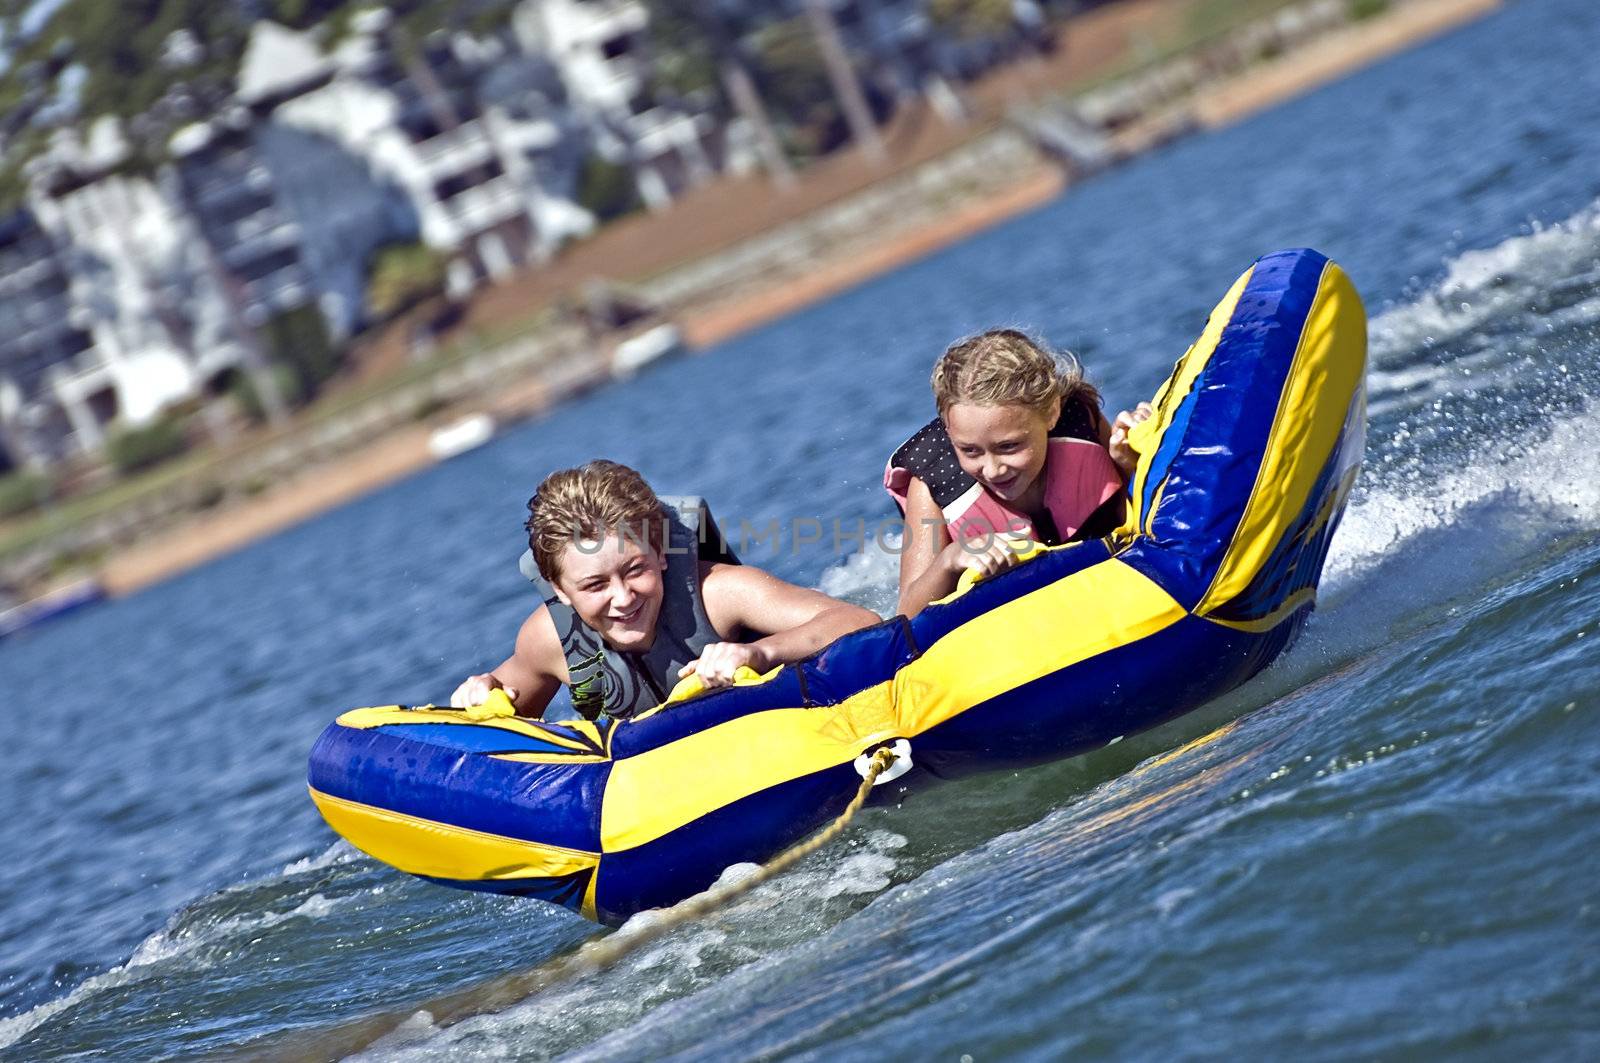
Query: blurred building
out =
(142, 289)
(905, 48)
(293, 214)
(138, 286)
(452, 141)
(39, 335)
(253, 246)
(600, 49)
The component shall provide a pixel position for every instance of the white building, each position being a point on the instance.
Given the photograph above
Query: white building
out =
(139, 287)
(379, 146)
(39, 332)
(131, 293)
(600, 48)
(255, 245)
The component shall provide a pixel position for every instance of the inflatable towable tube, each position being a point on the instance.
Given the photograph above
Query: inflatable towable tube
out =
(1243, 474)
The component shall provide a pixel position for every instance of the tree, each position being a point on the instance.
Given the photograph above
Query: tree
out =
(796, 80)
(402, 276)
(705, 36)
(846, 84)
(606, 189)
(971, 20)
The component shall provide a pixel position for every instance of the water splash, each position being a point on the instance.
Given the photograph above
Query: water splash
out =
(868, 578)
(191, 939)
(1549, 270)
(340, 852)
(786, 912)
(1543, 485)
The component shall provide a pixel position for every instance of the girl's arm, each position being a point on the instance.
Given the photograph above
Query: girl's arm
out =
(1122, 452)
(930, 564)
(922, 577)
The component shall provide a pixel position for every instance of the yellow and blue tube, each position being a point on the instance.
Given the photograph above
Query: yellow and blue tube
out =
(1244, 471)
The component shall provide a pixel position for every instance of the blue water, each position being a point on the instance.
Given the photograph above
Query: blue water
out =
(1384, 847)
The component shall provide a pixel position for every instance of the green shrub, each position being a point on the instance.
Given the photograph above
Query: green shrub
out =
(23, 491)
(208, 495)
(72, 561)
(248, 396)
(299, 338)
(132, 449)
(1360, 9)
(971, 20)
(606, 189)
(401, 276)
(426, 406)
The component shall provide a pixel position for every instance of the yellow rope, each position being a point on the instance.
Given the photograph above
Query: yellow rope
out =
(599, 955)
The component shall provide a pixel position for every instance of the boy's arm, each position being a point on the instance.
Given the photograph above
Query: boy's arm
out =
(530, 676)
(795, 622)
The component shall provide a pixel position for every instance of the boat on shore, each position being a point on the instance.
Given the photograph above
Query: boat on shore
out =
(460, 436)
(49, 606)
(653, 345)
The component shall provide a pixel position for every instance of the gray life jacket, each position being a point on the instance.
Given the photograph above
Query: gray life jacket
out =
(619, 683)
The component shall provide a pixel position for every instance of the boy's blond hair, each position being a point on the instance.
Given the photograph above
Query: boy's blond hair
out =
(1006, 367)
(589, 502)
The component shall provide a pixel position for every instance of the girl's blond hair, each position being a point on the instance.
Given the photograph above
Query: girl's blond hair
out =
(1006, 367)
(589, 502)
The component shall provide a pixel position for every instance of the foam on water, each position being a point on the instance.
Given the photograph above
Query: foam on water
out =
(183, 940)
(1498, 283)
(809, 900)
(340, 852)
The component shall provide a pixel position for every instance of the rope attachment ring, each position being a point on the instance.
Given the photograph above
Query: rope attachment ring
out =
(603, 953)
(900, 762)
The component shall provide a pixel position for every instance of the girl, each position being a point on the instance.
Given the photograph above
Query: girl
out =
(1020, 450)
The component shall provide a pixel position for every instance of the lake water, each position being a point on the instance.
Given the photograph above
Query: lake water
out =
(1383, 847)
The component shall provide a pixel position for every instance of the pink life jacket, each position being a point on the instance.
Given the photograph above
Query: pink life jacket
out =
(1082, 490)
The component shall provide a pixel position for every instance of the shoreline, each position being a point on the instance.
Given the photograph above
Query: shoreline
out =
(723, 319)
(404, 452)
(1339, 54)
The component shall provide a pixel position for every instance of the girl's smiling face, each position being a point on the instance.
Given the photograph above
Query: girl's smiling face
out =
(1003, 448)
